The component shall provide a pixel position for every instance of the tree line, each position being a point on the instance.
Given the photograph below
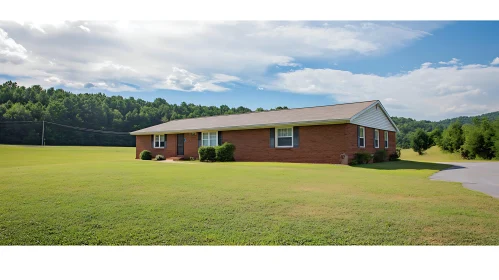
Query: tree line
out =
(409, 126)
(93, 111)
(478, 139)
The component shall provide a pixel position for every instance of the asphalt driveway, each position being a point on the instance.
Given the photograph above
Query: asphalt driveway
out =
(478, 176)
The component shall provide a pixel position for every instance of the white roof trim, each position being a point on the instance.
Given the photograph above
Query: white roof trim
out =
(352, 119)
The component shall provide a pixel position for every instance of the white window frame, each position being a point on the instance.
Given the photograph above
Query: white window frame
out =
(209, 139)
(386, 139)
(376, 139)
(159, 142)
(277, 137)
(362, 137)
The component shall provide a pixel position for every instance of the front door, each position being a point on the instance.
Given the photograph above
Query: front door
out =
(180, 144)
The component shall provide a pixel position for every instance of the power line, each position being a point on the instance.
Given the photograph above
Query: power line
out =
(72, 127)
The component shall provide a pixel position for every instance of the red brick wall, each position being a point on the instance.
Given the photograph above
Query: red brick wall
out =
(352, 147)
(318, 144)
(191, 145)
(143, 142)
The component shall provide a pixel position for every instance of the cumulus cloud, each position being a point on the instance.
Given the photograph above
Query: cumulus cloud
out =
(495, 61)
(451, 62)
(426, 92)
(84, 28)
(114, 52)
(183, 80)
(10, 51)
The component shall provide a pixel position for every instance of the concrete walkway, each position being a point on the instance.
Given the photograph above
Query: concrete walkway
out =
(478, 176)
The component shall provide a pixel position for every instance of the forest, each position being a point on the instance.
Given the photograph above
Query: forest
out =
(97, 119)
(22, 110)
(408, 126)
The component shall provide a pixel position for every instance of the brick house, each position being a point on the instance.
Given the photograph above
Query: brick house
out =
(323, 134)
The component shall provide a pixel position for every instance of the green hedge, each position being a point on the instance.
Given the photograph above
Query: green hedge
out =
(160, 157)
(380, 156)
(395, 156)
(361, 158)
(145, 155)
(207, 153)
(225, 152)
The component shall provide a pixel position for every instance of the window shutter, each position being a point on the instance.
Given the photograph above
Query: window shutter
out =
(358, 136)
(272, 137)
(199, 139)
(374, 137)
(220, 138)
(296, 136)
(165, 141)
(152, 141)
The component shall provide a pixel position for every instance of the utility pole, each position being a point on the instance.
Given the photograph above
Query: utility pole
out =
(43, 132)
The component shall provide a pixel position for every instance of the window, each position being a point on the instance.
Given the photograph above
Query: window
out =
(159, 141)
(209, 138)
(362, 137)
(284, 137)
(376, 138)
(386, 139)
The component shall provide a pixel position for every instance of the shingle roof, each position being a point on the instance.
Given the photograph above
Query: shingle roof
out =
(324, 114)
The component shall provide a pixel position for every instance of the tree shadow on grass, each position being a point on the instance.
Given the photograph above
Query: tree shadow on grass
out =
(408, 164)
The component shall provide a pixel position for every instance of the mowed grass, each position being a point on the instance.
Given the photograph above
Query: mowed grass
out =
(98, 195)
(434, 154)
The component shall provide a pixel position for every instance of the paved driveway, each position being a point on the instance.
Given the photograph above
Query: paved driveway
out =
(478, 176)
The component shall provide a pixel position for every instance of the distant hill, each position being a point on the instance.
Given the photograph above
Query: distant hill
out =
(408, 125)
(463, 120)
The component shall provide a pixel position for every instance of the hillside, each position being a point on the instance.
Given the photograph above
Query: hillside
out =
(23, 108)
(408, 125)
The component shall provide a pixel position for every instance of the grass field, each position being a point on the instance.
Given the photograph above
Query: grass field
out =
(97, 195)
(434, 154)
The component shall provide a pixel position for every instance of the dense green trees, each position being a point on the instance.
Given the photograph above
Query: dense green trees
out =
(408, 126)
(480, 139)
(421, 141)
(93, 111)
(452, 138)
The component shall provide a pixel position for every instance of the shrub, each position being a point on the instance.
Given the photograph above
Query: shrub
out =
(160, 157)
(421, 141)
(207, 153)
(452, 138)
(395, 155)
(380, 156)
(145, 155)
(361, 158)
(225, 152)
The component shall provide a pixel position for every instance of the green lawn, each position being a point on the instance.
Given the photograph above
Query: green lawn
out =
(97, 195)
(434, 154)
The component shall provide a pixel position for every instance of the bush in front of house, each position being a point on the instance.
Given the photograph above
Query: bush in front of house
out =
(160, 157)
(207, 154)
(361, 158)
(394, 156)
(225, 152)
(380, 156)
(145, 155)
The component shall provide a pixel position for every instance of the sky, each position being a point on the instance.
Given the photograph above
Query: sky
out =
(423, 70)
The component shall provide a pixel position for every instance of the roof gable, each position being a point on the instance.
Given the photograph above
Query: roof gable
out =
(375, 116)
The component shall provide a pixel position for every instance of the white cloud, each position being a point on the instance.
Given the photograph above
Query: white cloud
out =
(84, 28)
(183, 80)
(453, 61)
(10, 51)
(424, 93)
(495, 61)
(143, 53)
(426, 65)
